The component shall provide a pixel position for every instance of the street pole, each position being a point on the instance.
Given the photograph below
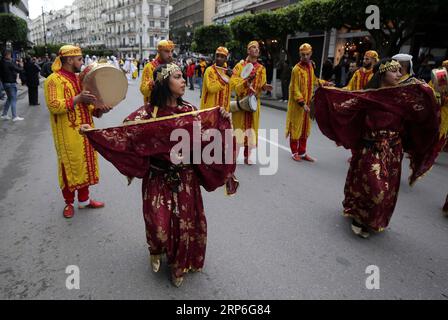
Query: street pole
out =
(45, 29)
(141, 49)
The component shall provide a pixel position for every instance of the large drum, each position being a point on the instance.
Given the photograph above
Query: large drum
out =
(248, 103)
(247, 70)
(107, 83)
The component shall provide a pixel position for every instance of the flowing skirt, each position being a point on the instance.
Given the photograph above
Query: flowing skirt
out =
(373, 180)
(174, 219)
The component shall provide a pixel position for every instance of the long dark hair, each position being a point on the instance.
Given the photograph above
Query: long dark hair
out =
(161, 90)
(375, 82)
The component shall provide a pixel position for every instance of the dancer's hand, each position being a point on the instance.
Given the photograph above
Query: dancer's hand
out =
(84, 127)
(306, 108)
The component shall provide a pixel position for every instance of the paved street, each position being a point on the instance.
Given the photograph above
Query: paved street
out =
(281, 237)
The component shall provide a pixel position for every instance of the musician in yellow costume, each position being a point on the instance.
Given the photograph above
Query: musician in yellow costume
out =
(246, 123)
(70, 108)
(363, 75)
(216, 87)
(301, 88)
(164, 55)
(442, 99)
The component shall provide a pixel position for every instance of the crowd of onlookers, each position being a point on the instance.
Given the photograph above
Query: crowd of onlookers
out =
(21, 71)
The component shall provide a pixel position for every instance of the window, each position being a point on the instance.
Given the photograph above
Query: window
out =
(162, 11)
(162, 24)
(151, 41)
(151, 10)
(151, 24)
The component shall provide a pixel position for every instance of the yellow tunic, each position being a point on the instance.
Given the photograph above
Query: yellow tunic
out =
(443, 101)
(215, 91)
(245, 120)
(301, 89)
(75, 154)
(148, 78)
(360, 79)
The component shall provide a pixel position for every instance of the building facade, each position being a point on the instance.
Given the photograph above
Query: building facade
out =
(127, 27)
(188, 15)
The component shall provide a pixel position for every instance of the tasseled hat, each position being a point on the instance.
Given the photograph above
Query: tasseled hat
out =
(165, 45)
(65, 51)
(222, 50)
(372, 54)
(305, 48)
(253, 43)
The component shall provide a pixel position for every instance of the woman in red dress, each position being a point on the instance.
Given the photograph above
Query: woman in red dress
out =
(173, 210)
(380, 123)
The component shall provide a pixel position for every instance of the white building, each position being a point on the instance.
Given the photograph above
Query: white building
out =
(135, 26)
(128, 27)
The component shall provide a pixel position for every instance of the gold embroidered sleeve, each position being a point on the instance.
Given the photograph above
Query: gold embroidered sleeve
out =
(54, 97)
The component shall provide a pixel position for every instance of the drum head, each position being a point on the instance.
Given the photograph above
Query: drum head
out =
(107, 83)
(439, 76)
(253, 103)
(247, 70)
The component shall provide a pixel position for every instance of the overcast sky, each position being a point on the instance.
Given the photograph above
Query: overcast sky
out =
(35, 6)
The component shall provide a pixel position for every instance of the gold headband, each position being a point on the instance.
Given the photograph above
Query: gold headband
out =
(167, 71)
(389, 66)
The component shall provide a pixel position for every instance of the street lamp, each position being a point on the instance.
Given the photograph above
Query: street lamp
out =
(45, 31)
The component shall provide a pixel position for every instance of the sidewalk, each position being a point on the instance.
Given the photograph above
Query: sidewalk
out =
(22, 91)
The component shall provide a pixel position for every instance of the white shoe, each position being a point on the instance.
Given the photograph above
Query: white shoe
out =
(17, 119)
(5, 117)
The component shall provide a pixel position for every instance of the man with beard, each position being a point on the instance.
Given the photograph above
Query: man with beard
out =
(70, 108)
(216, 88)
(164, 55)
(363, 75)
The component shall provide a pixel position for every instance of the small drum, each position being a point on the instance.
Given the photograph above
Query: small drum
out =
(248, 103)
(439, 78)
(247, 70)
(107, 83)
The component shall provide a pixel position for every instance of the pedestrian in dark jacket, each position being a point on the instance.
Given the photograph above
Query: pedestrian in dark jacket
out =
(46, 66)
(8, 75)
(285, 77)
(32, 71)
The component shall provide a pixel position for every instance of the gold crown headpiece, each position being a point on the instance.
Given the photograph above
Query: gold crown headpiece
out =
(389, 66)
(167, 71)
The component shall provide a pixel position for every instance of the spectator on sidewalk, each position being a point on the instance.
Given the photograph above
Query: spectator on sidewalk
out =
(8, 75)
(327, 70)
(285, 78)
(46, 67)
(200, 69)
(190, 73)
(22, 76)
(32, 71)
(2, 91)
